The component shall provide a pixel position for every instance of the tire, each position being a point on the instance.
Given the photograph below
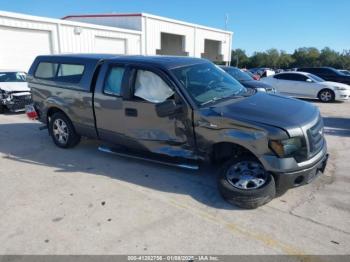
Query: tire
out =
(326, 95)
(253, 196)
(62, 131)
(2, 109)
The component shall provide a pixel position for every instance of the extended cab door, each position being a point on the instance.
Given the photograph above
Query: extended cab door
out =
(129, 116)
(108, 102)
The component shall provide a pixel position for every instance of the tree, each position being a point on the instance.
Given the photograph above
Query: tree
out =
(306, 56)
(330, 58)
(285, 60)
(239, 58)
(258, 59)
(272, 57)
(302, 57)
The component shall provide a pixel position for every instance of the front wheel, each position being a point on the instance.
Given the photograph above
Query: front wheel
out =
(62, 131)
(244, 182)
(326, 95)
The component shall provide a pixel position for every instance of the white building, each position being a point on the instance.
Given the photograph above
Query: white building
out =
(23, 37)
(164, 36)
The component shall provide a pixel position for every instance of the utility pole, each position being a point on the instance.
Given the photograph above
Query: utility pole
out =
(226, 23)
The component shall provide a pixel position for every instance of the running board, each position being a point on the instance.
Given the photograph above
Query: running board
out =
(138, 156)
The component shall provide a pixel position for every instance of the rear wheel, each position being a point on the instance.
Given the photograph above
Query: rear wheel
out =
(326, 95)
(244, 182)
(2, 109)
(62, 131)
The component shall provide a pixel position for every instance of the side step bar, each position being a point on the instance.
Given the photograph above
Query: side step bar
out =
(118, 152)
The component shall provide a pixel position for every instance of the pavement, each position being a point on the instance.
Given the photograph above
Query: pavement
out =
(82, 201)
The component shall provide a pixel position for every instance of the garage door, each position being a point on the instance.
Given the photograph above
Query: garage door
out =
(110, 45)
(19, 47)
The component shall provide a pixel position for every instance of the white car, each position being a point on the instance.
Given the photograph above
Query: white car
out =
(14, 91)
(306, 85)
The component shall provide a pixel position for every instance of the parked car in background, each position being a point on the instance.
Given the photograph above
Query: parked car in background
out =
(262, 71)
(327, 73)
(254, 76)
(181, 111)
(301, 84)
(345, 72)
(247, 81)
(14, 91)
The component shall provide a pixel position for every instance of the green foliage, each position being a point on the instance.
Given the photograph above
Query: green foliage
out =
(302, 57)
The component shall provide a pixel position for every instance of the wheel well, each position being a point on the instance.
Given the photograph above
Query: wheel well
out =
(223, 151)
(52, 111)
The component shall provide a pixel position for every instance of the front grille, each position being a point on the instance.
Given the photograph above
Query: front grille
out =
(315, 137)
(19, 102)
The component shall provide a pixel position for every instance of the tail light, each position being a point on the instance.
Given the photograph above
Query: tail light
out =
(31, 112)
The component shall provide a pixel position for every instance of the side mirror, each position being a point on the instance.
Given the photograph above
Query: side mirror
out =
(167, 108)
(309, 80)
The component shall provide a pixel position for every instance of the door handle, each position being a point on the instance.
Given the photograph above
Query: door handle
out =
(131, 112)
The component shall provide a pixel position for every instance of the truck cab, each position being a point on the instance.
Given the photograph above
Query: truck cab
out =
(181, 110)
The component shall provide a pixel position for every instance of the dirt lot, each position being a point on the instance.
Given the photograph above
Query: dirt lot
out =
(82, 201)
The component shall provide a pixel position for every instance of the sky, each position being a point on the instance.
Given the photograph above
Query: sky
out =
(258, 25)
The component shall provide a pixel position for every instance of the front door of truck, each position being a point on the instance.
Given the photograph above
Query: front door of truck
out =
(170, 135)
(134, 121)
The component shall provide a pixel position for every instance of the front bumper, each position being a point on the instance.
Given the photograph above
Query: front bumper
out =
(284, 181)
(16, 103)
(342, 95)
(288, 173)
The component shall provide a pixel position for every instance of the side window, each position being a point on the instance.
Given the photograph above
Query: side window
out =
(150, 87)
(113, 81)
(282, 76)
(46, 70)
(291, 77)
(70, 73)
(278, 76)
(297, 77)
(326, 71)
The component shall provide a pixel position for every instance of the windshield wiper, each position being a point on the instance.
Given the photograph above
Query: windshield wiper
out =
(211, 100)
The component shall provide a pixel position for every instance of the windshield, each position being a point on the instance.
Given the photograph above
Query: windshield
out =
(315, 78)
(238, 74)
(345, 72)
(206, 83)
(12, 77)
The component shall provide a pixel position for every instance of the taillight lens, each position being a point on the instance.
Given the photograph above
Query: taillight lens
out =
(31, 112)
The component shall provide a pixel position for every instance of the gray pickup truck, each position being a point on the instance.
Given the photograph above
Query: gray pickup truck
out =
(181, 111)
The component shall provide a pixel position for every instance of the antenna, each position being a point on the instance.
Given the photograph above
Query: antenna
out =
(226, 21)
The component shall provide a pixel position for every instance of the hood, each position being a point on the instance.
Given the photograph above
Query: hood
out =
(255, 84)
(14, 86)
(335, 84)
(274, 110)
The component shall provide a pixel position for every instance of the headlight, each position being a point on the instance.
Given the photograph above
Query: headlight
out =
(339, 88)
(293, 147)
(261, 89)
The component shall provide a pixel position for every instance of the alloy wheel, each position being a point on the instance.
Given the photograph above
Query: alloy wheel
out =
(326, 96)
(60, 131)
(247, 175)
